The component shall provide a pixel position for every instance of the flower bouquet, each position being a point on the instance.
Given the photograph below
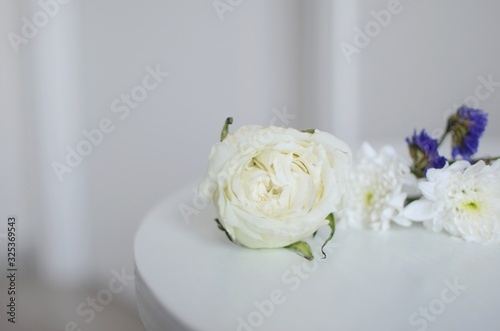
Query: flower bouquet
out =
(274, 187)
(461, 194)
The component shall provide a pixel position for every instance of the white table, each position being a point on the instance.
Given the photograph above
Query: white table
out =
(190, 277)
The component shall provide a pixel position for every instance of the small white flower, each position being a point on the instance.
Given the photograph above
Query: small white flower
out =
(377, 196)
(463, 199)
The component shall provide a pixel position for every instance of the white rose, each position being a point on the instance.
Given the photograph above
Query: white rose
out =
(273, 187)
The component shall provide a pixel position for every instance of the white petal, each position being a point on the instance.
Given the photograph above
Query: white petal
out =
(428, 189)
(397, 201)
(475, 169)
(402, 220)
(388, 150)
(420, 210)
(459, 166)
(367, 150)
(207, 188)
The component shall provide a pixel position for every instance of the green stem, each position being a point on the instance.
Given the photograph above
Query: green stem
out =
(443, 137)
(450, 123)
(487, 160)
(331, 222)
(225, 129)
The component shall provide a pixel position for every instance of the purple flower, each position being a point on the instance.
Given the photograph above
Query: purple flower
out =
(424, 153)
(466, 127)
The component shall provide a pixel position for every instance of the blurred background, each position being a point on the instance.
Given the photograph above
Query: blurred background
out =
(109, 106)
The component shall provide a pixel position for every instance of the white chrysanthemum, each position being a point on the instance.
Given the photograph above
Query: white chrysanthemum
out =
(377, 196)
(462, 198)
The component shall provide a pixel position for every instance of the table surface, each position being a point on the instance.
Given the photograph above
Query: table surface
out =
(190, 277)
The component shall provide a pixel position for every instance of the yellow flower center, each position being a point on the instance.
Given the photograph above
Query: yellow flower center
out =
(368, 198)
(471, 206)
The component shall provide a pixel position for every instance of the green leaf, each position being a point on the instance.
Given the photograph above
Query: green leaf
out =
(222, 228)
(225, 129)
(331, 219)
(315, 233)
(309, 131)
(301, 248)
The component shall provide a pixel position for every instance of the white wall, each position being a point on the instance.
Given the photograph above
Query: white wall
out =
(424, 63)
